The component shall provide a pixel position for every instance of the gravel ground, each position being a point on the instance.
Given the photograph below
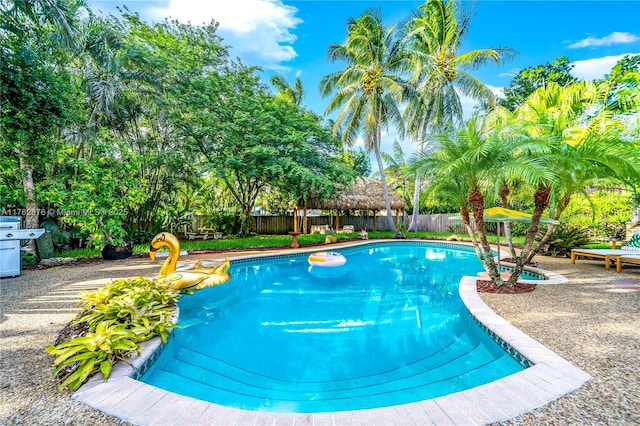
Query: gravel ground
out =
(592, 321)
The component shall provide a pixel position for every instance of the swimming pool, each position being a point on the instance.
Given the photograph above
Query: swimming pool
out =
(386, 328)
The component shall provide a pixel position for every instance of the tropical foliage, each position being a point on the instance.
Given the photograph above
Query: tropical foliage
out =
(434, 36)
(550, 147)
(113, 128)
(564, 238)
(130, 126)
(369, 91)
(527, 80)
(115, 320)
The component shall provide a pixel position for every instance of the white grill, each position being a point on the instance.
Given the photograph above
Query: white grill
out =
(10, 236)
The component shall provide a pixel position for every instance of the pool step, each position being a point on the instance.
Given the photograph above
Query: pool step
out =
(224, 383)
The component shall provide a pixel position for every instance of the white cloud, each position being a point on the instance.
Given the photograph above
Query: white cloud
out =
(596, 68)
(613, 38)
(259, 31)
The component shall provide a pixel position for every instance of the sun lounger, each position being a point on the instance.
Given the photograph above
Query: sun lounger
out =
(631, 251)
(607, 254)
(627, 258)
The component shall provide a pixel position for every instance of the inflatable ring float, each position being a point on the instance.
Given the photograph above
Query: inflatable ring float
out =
(327, 258)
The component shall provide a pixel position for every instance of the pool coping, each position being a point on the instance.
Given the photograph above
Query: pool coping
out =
(549, 378)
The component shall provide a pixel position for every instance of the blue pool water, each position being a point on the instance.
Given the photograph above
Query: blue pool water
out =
(386, 328)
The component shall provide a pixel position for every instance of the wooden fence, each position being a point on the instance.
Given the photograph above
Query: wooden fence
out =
(278, 225)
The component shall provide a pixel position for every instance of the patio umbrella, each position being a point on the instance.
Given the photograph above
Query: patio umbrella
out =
(500, 214)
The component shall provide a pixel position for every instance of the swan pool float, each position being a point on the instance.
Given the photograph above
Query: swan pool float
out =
(327, 259)
(197, 278)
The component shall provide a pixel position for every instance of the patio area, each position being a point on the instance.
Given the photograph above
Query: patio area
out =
(591, 322)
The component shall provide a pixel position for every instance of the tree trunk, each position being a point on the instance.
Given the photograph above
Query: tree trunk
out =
(476, 200)
(385, 190)
(504, 194)
(32, 216)
(466, 220)
(564, 202)
(413, 226)
(541, 202)
(304, 220)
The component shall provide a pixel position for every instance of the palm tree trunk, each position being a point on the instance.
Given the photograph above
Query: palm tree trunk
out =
(385, 190)
(476, 200)
(504, 193)
(541, 201)
(550, 228)
(413, 226)
(472, 234)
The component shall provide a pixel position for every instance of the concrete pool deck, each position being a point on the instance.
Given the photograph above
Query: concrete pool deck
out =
(551, 377)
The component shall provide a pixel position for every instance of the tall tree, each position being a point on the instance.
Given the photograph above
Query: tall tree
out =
(36, 86)
(433, 37)
(369, 91)
(60, 15)
(621, 87)
(526, 81)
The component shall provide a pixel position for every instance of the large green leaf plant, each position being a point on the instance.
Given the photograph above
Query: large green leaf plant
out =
(118, 317)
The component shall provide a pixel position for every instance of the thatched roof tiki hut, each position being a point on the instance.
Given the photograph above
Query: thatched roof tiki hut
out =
(365, 195)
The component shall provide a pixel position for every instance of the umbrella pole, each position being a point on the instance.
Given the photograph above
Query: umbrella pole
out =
(498, 239)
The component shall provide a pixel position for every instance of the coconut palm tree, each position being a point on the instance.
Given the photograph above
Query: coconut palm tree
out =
(434, 36)
(369, 90)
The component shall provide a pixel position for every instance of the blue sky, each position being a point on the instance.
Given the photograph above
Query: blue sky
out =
(291, 37)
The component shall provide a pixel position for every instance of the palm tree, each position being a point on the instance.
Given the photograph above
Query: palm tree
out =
(61, 14)
(466, 168)
(462, 168)
(397, 169)
(433, 37)
(582, 149)
(293, 94)
(368, 92)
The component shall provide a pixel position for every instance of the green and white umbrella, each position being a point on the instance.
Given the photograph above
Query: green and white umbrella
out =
(500, 214)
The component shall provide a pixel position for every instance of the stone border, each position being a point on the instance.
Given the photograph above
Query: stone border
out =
(549, 378)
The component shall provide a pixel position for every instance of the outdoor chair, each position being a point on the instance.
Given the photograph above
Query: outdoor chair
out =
(629, 251)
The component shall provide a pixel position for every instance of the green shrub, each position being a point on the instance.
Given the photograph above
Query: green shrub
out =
(564, 238)
(603, 213)
(28, 258)
(116, 318)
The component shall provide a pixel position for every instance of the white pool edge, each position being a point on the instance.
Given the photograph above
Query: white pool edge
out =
(549, 378)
